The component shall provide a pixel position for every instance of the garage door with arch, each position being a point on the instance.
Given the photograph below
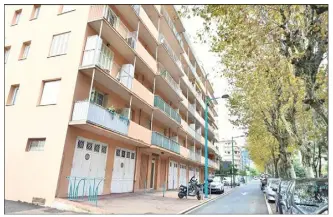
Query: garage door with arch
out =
(89, 161)
(123, 171)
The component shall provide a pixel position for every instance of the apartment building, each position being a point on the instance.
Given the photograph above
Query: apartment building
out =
(227, 152)
(110, 93)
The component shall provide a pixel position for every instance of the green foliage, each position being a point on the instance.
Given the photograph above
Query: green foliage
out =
(272, 56)
(299, 170)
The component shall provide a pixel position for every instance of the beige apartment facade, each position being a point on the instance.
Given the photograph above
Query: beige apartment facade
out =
(110, 93)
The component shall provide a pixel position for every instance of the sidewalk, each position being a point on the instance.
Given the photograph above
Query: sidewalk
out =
(141, 203)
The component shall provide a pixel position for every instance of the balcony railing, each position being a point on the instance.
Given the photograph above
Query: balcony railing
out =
(159, 103)
(192, 155)
(172, 26)
(95, 114)
(191, 131)
(197, 157)
(164, 142)
(212, 163)
(172, 54)
(193, 69)
(166, 75)
(197, 136)
(191, 108)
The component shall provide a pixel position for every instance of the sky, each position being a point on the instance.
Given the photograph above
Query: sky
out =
(211, 64)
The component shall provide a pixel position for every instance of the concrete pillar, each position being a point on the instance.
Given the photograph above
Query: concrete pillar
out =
(158, 173)
(137, 169)
(149, 171)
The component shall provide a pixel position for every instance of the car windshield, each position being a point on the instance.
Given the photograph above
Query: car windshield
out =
(311, 194)
(217, 179)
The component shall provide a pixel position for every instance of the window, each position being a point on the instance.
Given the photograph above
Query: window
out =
(25, 50)
(13, 94)
(97, 97)
(67, 8)
(59, 44)
(35, 12)
(35, 144)
(16, 17)
(50, 92)
(7, 50)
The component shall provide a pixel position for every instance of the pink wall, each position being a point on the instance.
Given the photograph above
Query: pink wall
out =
(138, 132)
(142, 92)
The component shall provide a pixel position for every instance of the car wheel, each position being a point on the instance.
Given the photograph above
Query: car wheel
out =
(223, 191)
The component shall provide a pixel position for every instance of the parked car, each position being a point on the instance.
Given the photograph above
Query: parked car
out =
(227, 181)
(306, 196)
(216, 184)
(271, 188)
(281, 194)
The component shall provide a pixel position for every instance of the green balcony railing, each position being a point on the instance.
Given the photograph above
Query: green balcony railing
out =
(159, 103)
(165, 142)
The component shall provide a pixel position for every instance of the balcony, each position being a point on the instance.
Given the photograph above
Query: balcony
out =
(173, 34)
(184, 152)
(97, 115)
(198, 136)
(166, 84)
(163, 106)
(191, 108)
(164, 142)
(143, 92)
(117, 34)
(192, 68)
(168, 58)
(197, 157)
(212, 163)
(191, 131)
(145, 55)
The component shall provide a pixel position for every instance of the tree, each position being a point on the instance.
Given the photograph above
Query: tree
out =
(274, 70)
(299, 170)
(298, 32)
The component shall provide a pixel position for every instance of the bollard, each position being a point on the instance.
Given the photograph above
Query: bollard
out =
(145, 186)
(163, 189)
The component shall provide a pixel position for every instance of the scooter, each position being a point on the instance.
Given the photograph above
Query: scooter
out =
(194, 189)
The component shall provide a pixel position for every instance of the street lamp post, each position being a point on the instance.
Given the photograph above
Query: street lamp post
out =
(206, 139)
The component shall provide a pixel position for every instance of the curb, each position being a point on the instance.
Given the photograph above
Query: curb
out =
(192, 208)
(268, 206)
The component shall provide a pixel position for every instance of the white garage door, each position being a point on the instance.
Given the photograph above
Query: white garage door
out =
(173, 175)
(197, 174)
(123, 171)
(89, 161)
(182, 172)
(191, 173)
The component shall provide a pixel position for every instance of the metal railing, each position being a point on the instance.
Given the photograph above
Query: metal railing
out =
(159, 103)
(192, 155)
(79, 187)
(191, 108)
(166, 75)
(198, 157)
(198, 136)
(164, 142)
(172, 26)
(193, 69)
(191, 131)
(95, 114)
(115, 22)
(170, 51)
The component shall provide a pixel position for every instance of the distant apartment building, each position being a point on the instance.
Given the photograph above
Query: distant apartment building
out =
(226, 151)
(107, 92)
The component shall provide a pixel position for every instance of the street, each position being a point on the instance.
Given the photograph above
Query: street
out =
(246, 199)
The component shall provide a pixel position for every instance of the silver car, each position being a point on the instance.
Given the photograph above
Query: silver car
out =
(217, 185)
(271, 188)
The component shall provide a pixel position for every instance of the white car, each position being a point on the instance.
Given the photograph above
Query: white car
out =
(217, 185)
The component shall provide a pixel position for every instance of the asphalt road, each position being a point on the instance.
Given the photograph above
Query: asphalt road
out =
(245, 199)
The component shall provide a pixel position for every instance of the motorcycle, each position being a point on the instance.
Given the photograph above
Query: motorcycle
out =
(263, 184)
(194, 189)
